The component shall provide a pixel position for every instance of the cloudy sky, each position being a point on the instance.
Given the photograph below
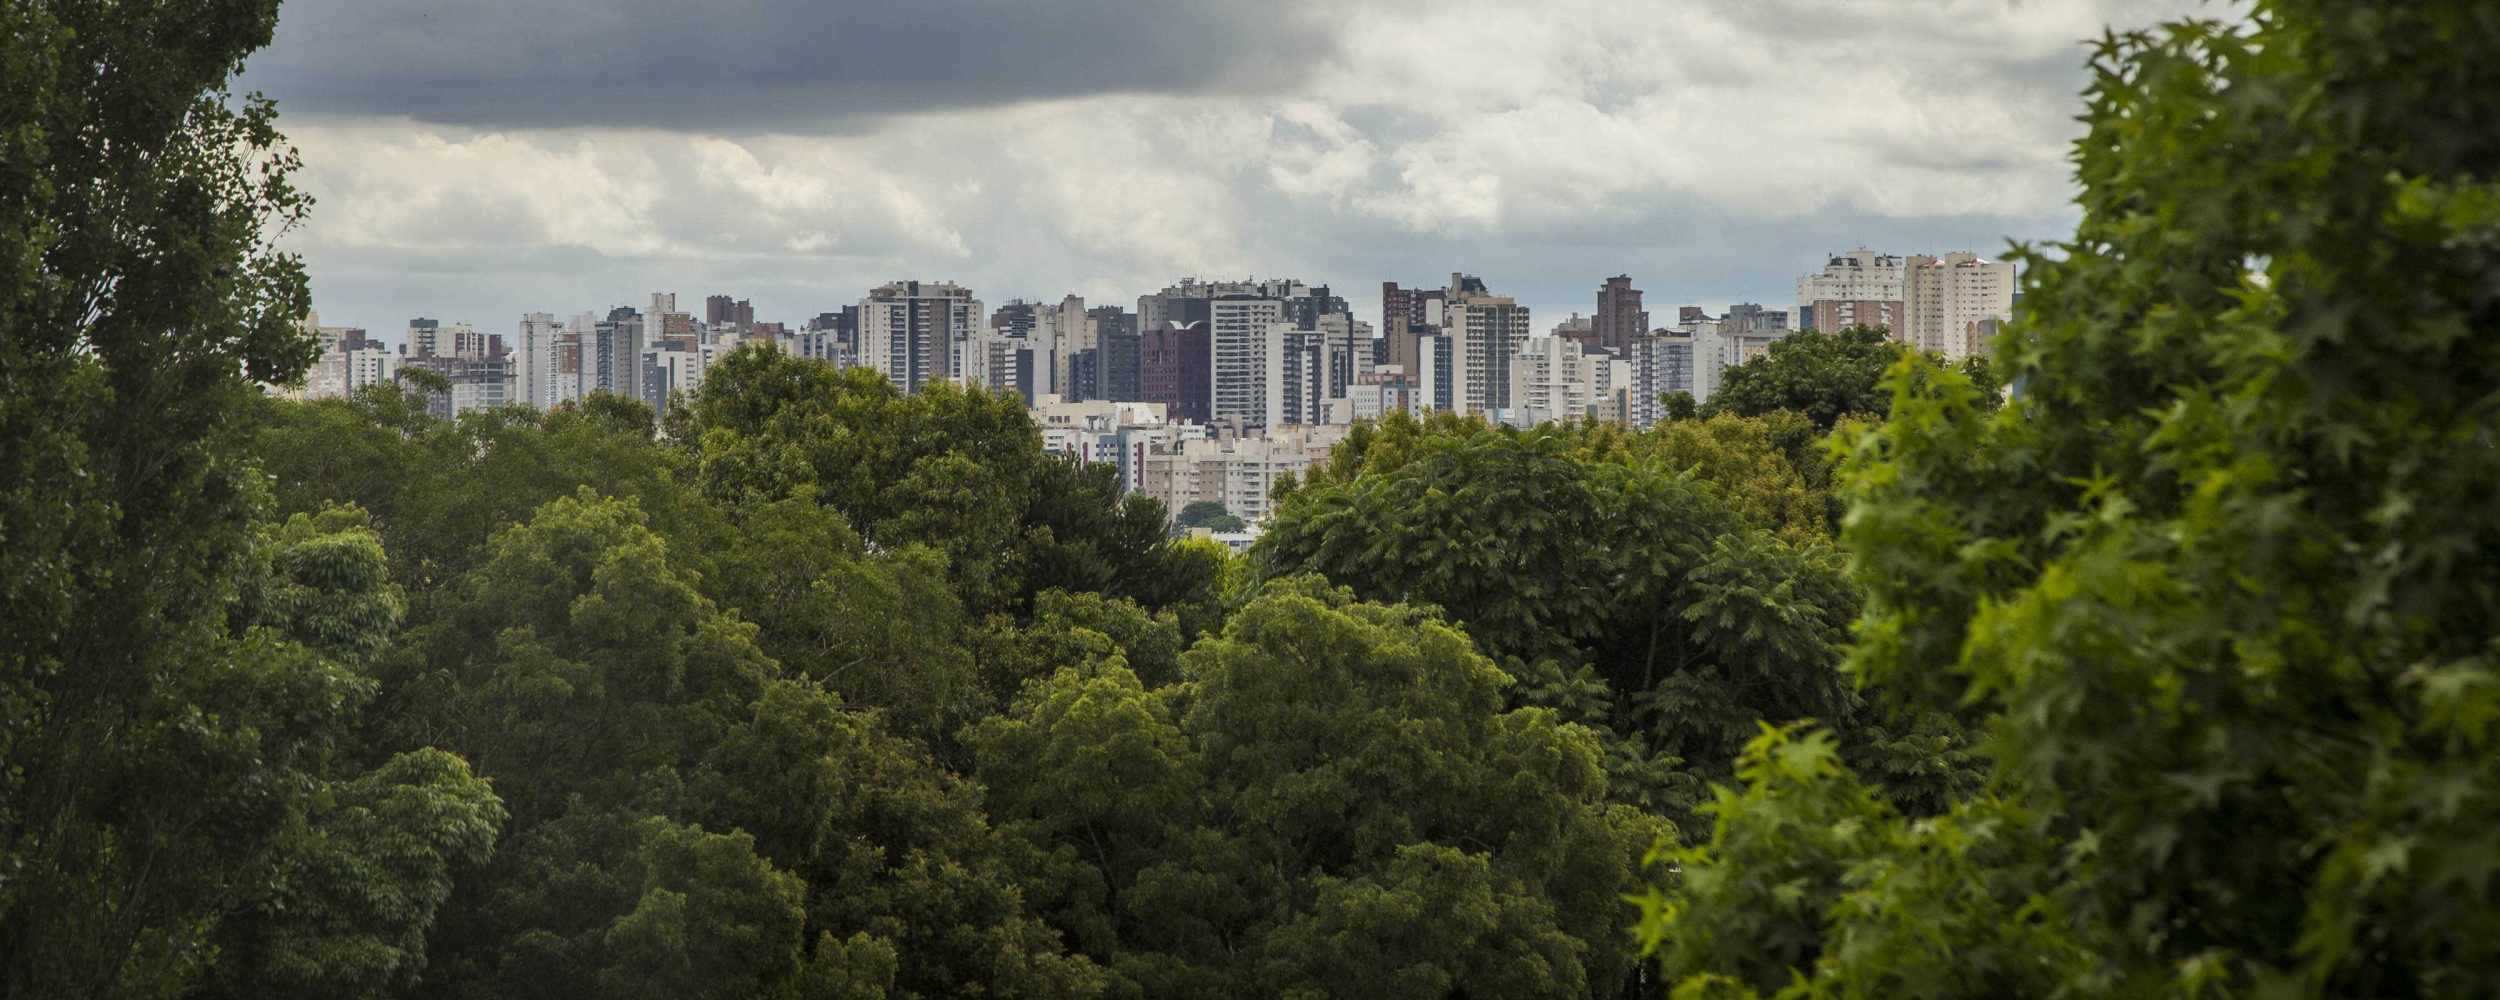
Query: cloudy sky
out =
(477, 159)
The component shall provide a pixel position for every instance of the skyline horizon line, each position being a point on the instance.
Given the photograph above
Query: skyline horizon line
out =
(1716, 305)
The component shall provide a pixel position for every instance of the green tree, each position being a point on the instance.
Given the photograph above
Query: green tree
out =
(1826, 376)
(881, 629)
(177, 686)
(1207, 514)
(584, 670)
(359, 875)
(2216, 581)
(1679, 405)
(893, 849)
(1197, 512)
(1622, 591)
(576, 662)
(1772, 469)
(348, 910)
(1334, 801)
(439, 489)
(596, 904)
(959, 470)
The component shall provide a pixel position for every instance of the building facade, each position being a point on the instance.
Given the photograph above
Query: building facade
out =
(1954, 303)
(1857, 288)
(914, 332)
(1488, 329)
(1246, 344)
(1620, 318)
(1174, 364)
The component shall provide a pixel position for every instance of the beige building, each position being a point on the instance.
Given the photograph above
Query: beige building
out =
(1563, 378)
(1238, 472)
(1952, 304)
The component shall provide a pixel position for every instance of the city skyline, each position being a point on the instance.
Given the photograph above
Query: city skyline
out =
(479, 162)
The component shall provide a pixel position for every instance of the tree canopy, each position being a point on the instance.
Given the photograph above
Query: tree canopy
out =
(184, 804)
(2215, 584)
(2171, 675)
(1826, 376)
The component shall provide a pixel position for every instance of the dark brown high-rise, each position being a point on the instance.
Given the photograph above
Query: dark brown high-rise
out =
(1620, 319)
(1175, 368)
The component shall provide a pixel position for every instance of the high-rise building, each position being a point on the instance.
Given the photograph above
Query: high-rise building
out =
(370, 366)
(1238, 472)
(331, 375)
(1441, 373)
(1660, 364)
(534, 367)
(1115, 334)
(476, 382)
(1076, 328)
(1751, 319)
(1858, 288)
(1084, 376)
(674, 370)
(831, 336)
(1346, 351)
(1406, 314)
(1378, 392)
(1487, 328)
(1173, 368)
(1620, 317)
(1045, 331)
(565, 383)
(1242, 320)
(724, 311)
(1953, 303)
(913, 331)
(1719, 345)
(617, 345)
(1004, 364)
(424, 338)
(1559, 378)
(1246, 338)
(1297, 381)
(430, 339)
(1015, 318)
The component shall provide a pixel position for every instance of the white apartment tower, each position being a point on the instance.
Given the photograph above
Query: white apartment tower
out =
(1953, 303)
(1075, 325)
(1245, 344)
(1858, 288)
(535, 365)
(912, 331)
(1488, 329)
(1561, 378)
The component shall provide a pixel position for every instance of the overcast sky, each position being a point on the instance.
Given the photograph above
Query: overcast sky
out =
(477, 159)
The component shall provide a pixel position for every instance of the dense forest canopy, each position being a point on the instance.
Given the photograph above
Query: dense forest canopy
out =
(2170, 673)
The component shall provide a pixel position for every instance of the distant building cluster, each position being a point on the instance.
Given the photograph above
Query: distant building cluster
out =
(1209, 390)
(1950, 305)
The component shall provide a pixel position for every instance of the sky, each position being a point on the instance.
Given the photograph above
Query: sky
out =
(473, 160)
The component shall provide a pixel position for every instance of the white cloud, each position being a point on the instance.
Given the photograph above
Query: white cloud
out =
(1728, 141)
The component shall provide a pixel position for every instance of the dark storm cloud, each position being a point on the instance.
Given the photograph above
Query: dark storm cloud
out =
(764, 65)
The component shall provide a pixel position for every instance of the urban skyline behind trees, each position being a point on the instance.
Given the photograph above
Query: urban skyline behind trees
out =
(2167, 674)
